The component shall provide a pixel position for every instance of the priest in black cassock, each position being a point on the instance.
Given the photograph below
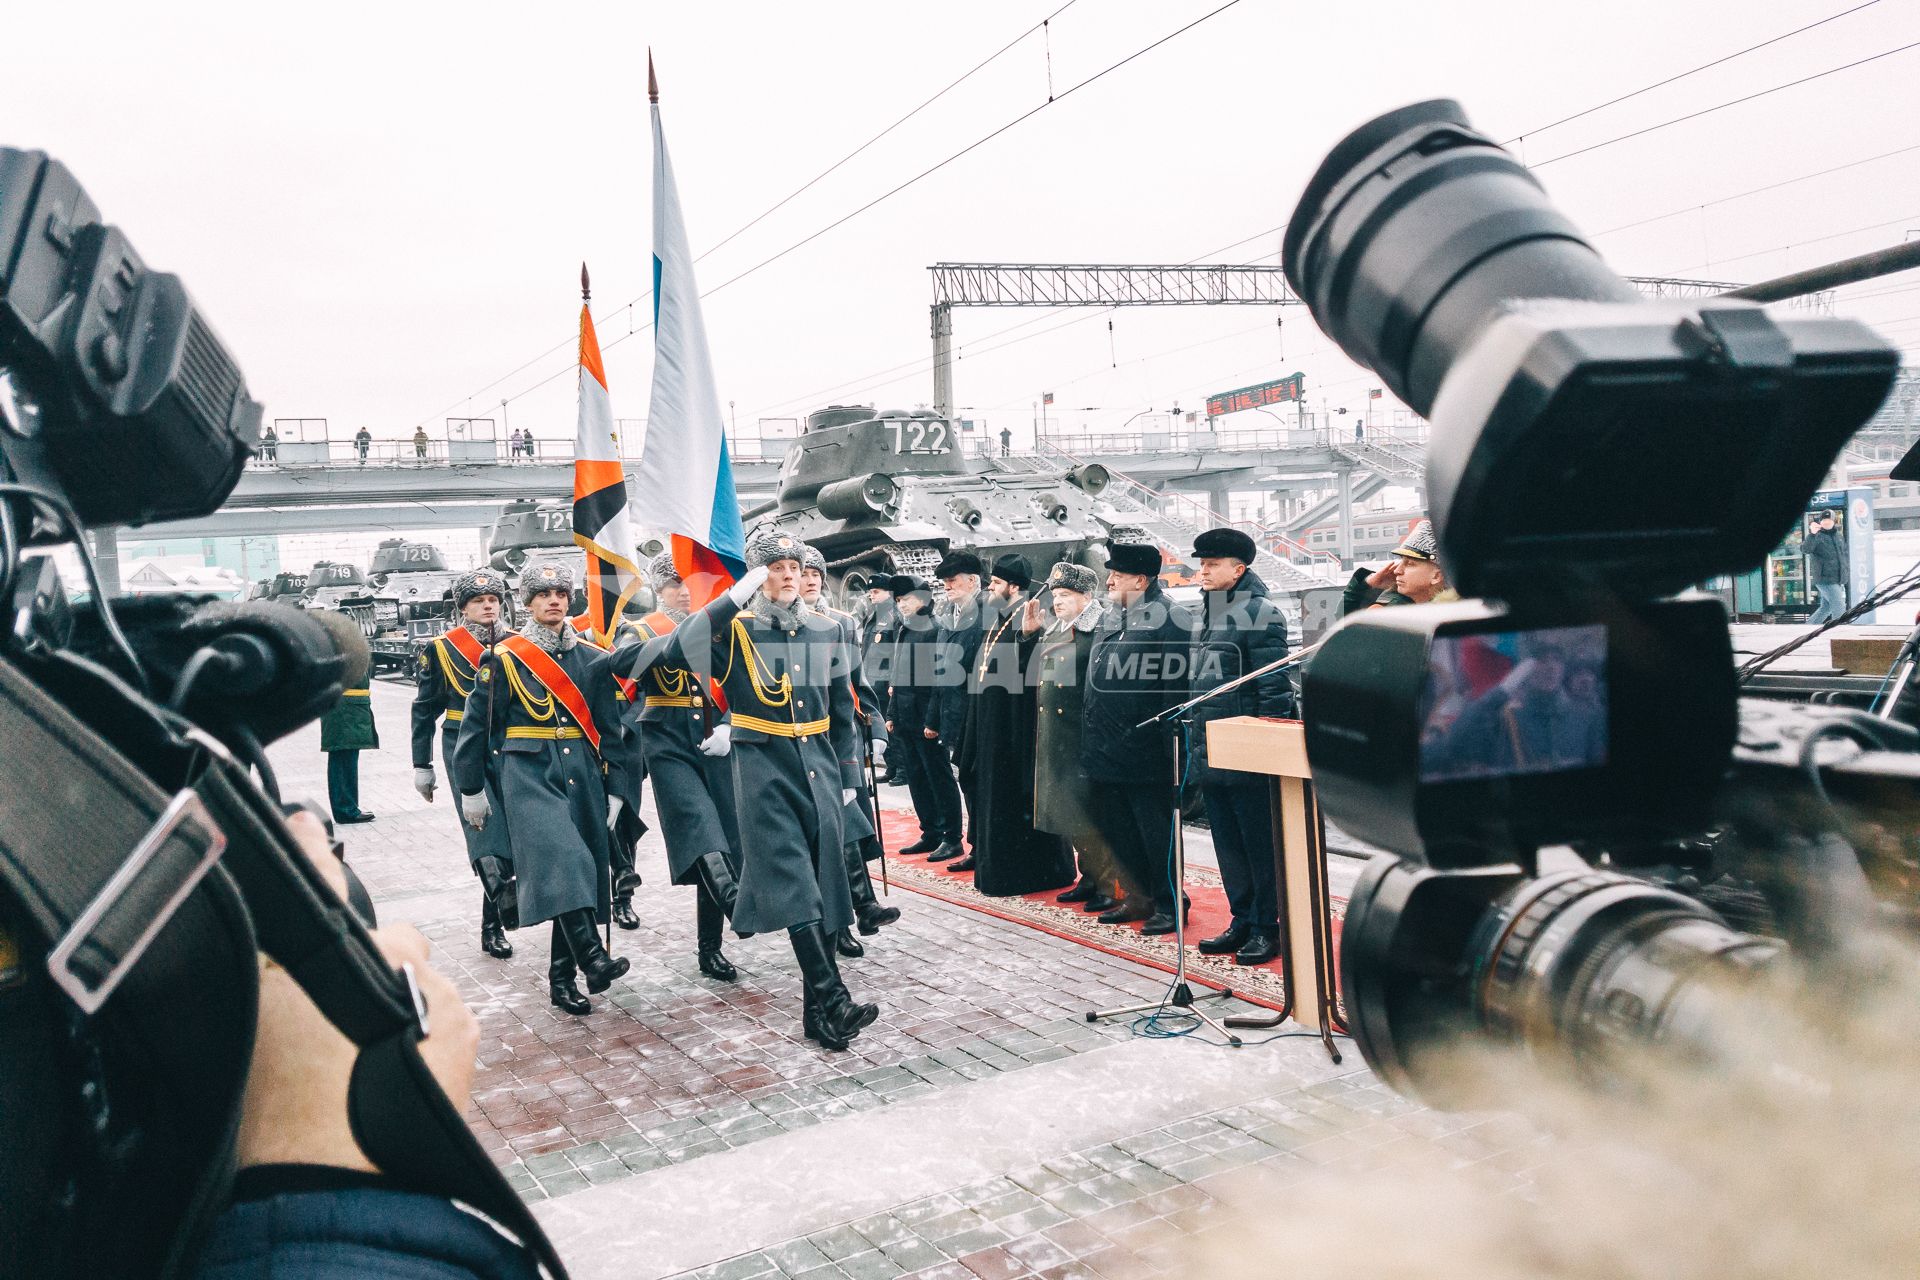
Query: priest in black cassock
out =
(997, 747)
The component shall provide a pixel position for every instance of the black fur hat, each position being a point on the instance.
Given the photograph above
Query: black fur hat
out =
(1013, 569)
(1134, 557)
(1224, 542)
(956, 562)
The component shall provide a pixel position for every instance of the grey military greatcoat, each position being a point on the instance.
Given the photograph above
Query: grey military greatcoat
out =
(554, 783)
(784, 671)
(693, 793)
(443, 679)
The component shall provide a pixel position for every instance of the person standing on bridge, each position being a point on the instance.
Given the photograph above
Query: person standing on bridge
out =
(270, 445)
(1006, 442)
(542, 713)
(420, 443)
(444, 680)
(362, 441)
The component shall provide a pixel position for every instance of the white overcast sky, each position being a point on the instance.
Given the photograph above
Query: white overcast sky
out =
(383, 207)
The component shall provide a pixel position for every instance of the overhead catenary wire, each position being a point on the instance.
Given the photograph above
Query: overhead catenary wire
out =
(884, 196)
(1691, 71)
(1754, 191)
(1722, 106)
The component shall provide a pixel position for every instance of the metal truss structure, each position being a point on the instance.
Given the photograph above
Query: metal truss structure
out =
(1054, 284)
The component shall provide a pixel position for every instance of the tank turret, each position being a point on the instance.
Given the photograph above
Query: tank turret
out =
(411, 603)
(890, 491)
(336, 585)
(529, 534)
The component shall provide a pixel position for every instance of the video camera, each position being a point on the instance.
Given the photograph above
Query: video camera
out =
(1592, 456)
(144, 871)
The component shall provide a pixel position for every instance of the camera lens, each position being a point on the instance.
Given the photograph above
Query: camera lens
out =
(1571, 969)
(1576, 966)
(1415, 231)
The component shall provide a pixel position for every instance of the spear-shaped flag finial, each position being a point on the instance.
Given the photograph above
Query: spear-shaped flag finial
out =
(653, 85)
(586, 289)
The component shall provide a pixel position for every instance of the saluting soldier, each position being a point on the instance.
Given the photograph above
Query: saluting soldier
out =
(447, 671)
(543, 713)
(1063, 798)
(783, 667)
(684, 741)
(868, 732)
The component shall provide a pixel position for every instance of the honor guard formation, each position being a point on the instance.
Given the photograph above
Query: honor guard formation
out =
(1010, 710)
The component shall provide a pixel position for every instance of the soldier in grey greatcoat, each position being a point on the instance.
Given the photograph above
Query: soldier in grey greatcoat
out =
(543, 712)
(684, 739)
(783, 667)
(443, 679)
(1063, 798)
(869, 732)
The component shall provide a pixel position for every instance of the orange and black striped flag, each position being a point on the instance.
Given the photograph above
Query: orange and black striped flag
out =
(602, 517)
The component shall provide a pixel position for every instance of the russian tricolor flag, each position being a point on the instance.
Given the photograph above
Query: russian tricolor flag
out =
(684, 481)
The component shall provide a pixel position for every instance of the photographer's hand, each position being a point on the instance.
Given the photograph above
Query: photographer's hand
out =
(296, 1103)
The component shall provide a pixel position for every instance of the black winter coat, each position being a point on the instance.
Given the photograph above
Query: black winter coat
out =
(960, 636)
(1137, 670)
(1241, 629)
(913, 696)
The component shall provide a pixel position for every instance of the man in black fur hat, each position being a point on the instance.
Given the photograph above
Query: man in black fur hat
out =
(1138, 669)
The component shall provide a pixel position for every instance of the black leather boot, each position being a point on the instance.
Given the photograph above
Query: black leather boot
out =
(707, 921)
(583, 940)
(560, 971)
(847, 945)
(496, 881)
(866, 908)
(715, 877)
(625, 881)
(1084, 890)
(493, 940)
(836, 1018)
(925, 844)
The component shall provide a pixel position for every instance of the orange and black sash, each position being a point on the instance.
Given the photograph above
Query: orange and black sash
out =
(663, 625)
(464, 641)
(558, 682)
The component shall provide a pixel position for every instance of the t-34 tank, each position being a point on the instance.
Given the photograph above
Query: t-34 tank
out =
(529, 534)
(332, 584)
(890, 492)
(410, 602)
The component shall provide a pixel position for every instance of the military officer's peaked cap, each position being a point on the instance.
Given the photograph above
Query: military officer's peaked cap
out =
(481, 582)
(1419, 545)
(765, 548)
(1134, 557)
(548, 577)
(663, 570)
(958, 562)
(1068, 576)
(810, 558)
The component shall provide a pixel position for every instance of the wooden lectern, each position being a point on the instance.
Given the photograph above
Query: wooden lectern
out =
(1278, 749)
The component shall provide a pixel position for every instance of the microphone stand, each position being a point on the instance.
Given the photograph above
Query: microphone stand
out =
(1181, 996)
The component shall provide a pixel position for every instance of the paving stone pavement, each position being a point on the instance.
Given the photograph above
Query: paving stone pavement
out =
(672, 1068)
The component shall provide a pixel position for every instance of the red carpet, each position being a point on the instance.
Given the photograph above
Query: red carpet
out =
(1257, 984)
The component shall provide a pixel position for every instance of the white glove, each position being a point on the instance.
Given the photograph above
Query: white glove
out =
(847, 794)
(423, 783)
(615, 806)
(879, 751)
(719, 742)
(474, 810)
(1515, 680)
(742, 591)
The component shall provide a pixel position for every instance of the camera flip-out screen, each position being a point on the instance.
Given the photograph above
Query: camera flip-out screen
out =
(1501, 704)
(1467, 734)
